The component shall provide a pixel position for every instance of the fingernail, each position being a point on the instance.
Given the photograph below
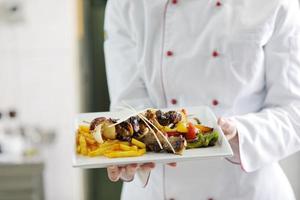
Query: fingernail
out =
(113, 173)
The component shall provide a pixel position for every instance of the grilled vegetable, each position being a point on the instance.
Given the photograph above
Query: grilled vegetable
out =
(204, 140)
(182, 127)
(204, 129)
(192, 132)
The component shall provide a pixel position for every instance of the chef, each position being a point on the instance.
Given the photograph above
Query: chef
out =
(239, 57)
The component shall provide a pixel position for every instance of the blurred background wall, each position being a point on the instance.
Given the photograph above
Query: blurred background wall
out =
(39, 79)
(52, 67)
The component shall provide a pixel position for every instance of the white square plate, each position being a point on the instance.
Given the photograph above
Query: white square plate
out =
(206, 116)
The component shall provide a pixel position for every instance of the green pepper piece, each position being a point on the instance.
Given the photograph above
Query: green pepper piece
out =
(204, 140)
(214, 136)
(196, 144)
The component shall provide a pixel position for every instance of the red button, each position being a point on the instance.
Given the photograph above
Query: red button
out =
(173, 101)
(170, 53)
(174, 1)
(215, 102)
(215, 54)
(218, 3)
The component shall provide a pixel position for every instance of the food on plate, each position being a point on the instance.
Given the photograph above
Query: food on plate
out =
(90, 145)
(150, 130)
(204, 140)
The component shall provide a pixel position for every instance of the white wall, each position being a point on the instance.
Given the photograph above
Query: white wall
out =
(39, 77)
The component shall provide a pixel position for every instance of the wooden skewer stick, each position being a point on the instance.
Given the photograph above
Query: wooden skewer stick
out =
(139, 114)
(124, 119)
(128, 107)
(145, 119)
(153, 132)
(166, 139)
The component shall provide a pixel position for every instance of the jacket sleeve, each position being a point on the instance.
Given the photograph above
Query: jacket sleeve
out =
(124, 75)
(274, 132)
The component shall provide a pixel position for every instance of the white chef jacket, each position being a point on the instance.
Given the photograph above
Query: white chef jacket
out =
(241, 58)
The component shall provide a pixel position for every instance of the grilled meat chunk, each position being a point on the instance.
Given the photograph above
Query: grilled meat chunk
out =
(178, 143)
(96, 122)
(135, 122)
(167, 118)
(124, 131)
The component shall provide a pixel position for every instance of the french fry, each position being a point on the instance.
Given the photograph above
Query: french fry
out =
(109, 142)
(125, 147)
(128, 148)
(87, 135)
(138, 143)
(83, 146)
(77, 137)
(135, 148)
(87, 145)
(93, 147)
(125, 143)
(101, 150)
(90, 141)
(121, 154)
(142, 151)
(84, 128)
(78, 149)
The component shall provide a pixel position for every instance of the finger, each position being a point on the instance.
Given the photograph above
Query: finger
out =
(147, 166)
(113, 173)
(224, 123)
(231, 125)
(172, 164)
(230, 136)
(227, 126)
(129, 172)
(221, 121)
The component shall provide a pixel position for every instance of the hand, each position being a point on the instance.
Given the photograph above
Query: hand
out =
(228, 127)
(127, 172)
(231, 133)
